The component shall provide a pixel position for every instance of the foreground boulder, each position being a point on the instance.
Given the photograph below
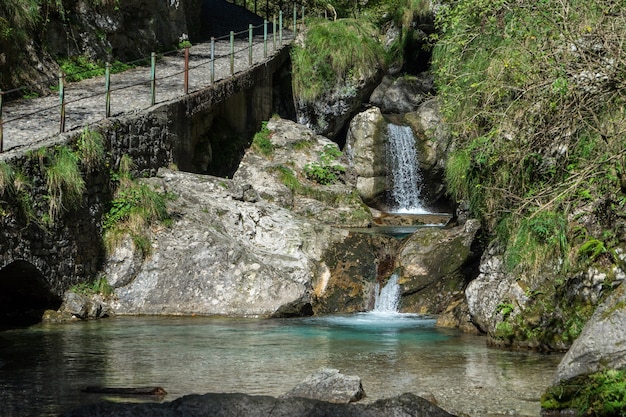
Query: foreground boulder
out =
(242, 405)
(329, 385)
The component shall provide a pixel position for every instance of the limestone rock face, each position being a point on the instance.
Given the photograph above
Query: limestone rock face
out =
(365, 152)
(329, 385)
(429, 264)
(600, 345)
(222, 255)
(281, 177)
(492, 287)
(403, 94)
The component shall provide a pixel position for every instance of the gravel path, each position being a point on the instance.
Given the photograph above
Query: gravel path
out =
(29, 123)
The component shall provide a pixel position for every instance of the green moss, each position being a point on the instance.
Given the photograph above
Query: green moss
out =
(599, 394)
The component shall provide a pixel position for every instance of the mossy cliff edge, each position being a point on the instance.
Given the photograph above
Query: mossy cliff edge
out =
(534, 93)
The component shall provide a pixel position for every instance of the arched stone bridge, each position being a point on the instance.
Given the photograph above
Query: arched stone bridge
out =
(204, 131)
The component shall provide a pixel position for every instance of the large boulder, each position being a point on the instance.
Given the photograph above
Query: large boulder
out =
(403, 94)
(329, 385)
(242, 405)
(430, 266)
(281, 176)
(365, 153)
(223, 255)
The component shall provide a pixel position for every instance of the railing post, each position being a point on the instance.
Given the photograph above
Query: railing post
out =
(107, 88)
(250, 30)
(1, 125)
(295, 17)
(265, 38)
(274, 31)
(152, 78)
(280, 28)
(212, 59)
(186, 70)
(232, 52)
(62, 100)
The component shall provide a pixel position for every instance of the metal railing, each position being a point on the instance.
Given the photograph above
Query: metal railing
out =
(187, 67)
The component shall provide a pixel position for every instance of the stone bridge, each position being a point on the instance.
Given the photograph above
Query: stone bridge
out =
(203, 131)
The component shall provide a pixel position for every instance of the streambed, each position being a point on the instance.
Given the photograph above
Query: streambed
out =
(44, 368)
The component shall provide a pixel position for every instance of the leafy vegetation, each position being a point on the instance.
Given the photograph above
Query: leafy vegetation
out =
(325, 171)
(134, 209)
(81, 67)
(537, 136)
(333, 52)
(91, 149)
(261, 141)
(64, 182)
(100, 286)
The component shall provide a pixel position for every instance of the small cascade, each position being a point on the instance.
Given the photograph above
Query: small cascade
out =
(405, 175)
(388, 298)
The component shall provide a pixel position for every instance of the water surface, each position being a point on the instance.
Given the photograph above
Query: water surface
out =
(44, 368)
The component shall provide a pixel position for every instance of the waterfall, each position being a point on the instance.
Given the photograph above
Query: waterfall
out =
(405, 176)
(388, 298)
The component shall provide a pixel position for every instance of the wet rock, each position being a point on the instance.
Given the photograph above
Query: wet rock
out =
(600, 345)
(242, 405)
(81, 306)
(430, 263)
(404, 94)
(329, 385)
(365, 153)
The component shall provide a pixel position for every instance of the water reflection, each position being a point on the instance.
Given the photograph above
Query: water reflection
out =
(44, 368)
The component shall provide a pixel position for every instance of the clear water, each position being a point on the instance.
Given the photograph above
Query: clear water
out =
(44, 368)
(406, 177)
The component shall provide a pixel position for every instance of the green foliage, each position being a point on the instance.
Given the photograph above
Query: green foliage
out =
(261, 141)
(91, 149)
(80, 67)
(599, 394)
(64, 182)
(288, 178)
(134, 209)
(100, 286)
(325, 171)
(536, 241)
(334, 53)
(532, 136)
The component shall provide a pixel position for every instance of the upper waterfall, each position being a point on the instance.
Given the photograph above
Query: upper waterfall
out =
(404, 174)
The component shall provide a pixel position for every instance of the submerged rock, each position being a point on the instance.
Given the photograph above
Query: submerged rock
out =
(329, 385)
(242, 405)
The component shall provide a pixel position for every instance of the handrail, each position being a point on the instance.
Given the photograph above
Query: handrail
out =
(64, 100)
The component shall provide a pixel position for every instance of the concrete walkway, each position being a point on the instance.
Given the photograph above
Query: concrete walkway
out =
(31, 123)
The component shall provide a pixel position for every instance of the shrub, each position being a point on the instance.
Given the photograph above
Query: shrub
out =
(325, 171)
(64, 181)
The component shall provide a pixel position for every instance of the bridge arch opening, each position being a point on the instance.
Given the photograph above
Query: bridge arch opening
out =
(24, 295)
